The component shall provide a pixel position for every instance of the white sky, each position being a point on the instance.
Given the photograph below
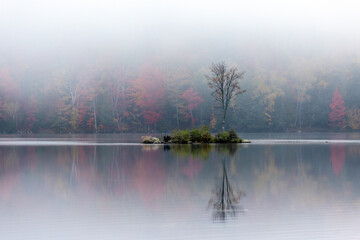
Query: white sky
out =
(31, 20)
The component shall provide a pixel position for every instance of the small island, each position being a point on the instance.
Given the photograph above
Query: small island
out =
(196, 135)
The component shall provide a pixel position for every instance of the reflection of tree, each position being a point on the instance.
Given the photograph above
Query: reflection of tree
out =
(95, 163)
(300, 165)
(338, 156)
(115, 173)
(227, 149)
(149, 174)
(74, 165)
(118, 178)
(225, 202)
(270, 181)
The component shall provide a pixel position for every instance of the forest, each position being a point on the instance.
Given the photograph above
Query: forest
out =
(107, 93)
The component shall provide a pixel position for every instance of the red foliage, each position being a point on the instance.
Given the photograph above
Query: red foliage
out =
(87, 100)
(83, 111)
(338, 111)
(192, 101)
(149, 94)
(192, 98)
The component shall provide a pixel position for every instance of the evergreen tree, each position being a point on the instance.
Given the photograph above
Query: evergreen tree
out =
(338, 111)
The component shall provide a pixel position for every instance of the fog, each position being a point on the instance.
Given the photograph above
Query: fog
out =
(151, 24)
(39, 38)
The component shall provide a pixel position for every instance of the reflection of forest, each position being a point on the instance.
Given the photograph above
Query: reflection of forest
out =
(272, 176)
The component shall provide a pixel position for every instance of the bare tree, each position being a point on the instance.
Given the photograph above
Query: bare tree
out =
(225, 83)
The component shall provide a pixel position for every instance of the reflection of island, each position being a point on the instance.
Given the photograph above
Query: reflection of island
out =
(225, 202)
(190, 150)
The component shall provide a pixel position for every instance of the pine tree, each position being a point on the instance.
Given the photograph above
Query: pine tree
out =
(338, 111)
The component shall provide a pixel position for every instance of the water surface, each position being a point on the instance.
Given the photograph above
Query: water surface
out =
(96, 187)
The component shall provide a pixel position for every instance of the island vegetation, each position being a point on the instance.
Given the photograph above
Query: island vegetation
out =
(197, 135)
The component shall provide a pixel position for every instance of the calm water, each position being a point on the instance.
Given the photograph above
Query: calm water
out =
(94, 187)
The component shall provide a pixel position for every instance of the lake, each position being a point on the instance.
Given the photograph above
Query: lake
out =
(282, 186)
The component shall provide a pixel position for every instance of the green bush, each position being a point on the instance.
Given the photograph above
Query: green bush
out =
(180, 136)
(222, 137)
(205, 134)
(227, 137)
(233, 137)
(195, 135)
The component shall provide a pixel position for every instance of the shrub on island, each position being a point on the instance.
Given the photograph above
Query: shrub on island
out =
(180, 136)
(227, 137)
(203, 135)
(196, 135)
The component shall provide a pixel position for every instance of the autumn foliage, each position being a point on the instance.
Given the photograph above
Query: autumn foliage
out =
(338, 111)
(354, 118)
(192, 100)
(105, 95)
(149, 92)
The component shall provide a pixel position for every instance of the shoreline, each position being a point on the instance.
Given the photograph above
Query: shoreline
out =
(23, 142)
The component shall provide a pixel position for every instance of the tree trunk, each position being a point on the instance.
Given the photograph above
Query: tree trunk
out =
(192, 118)
(94, 109)
(223, 187)
(223, 120)
(177, 117)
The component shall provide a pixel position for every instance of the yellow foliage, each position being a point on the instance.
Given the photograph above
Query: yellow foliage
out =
(213, 122)
(322, 84)
(268, 89)
(12, 108)
(354, 118)
(269, 119)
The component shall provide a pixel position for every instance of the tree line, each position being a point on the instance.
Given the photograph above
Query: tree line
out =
(301, 95)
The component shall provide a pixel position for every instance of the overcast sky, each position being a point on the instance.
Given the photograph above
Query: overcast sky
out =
(139, 23)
